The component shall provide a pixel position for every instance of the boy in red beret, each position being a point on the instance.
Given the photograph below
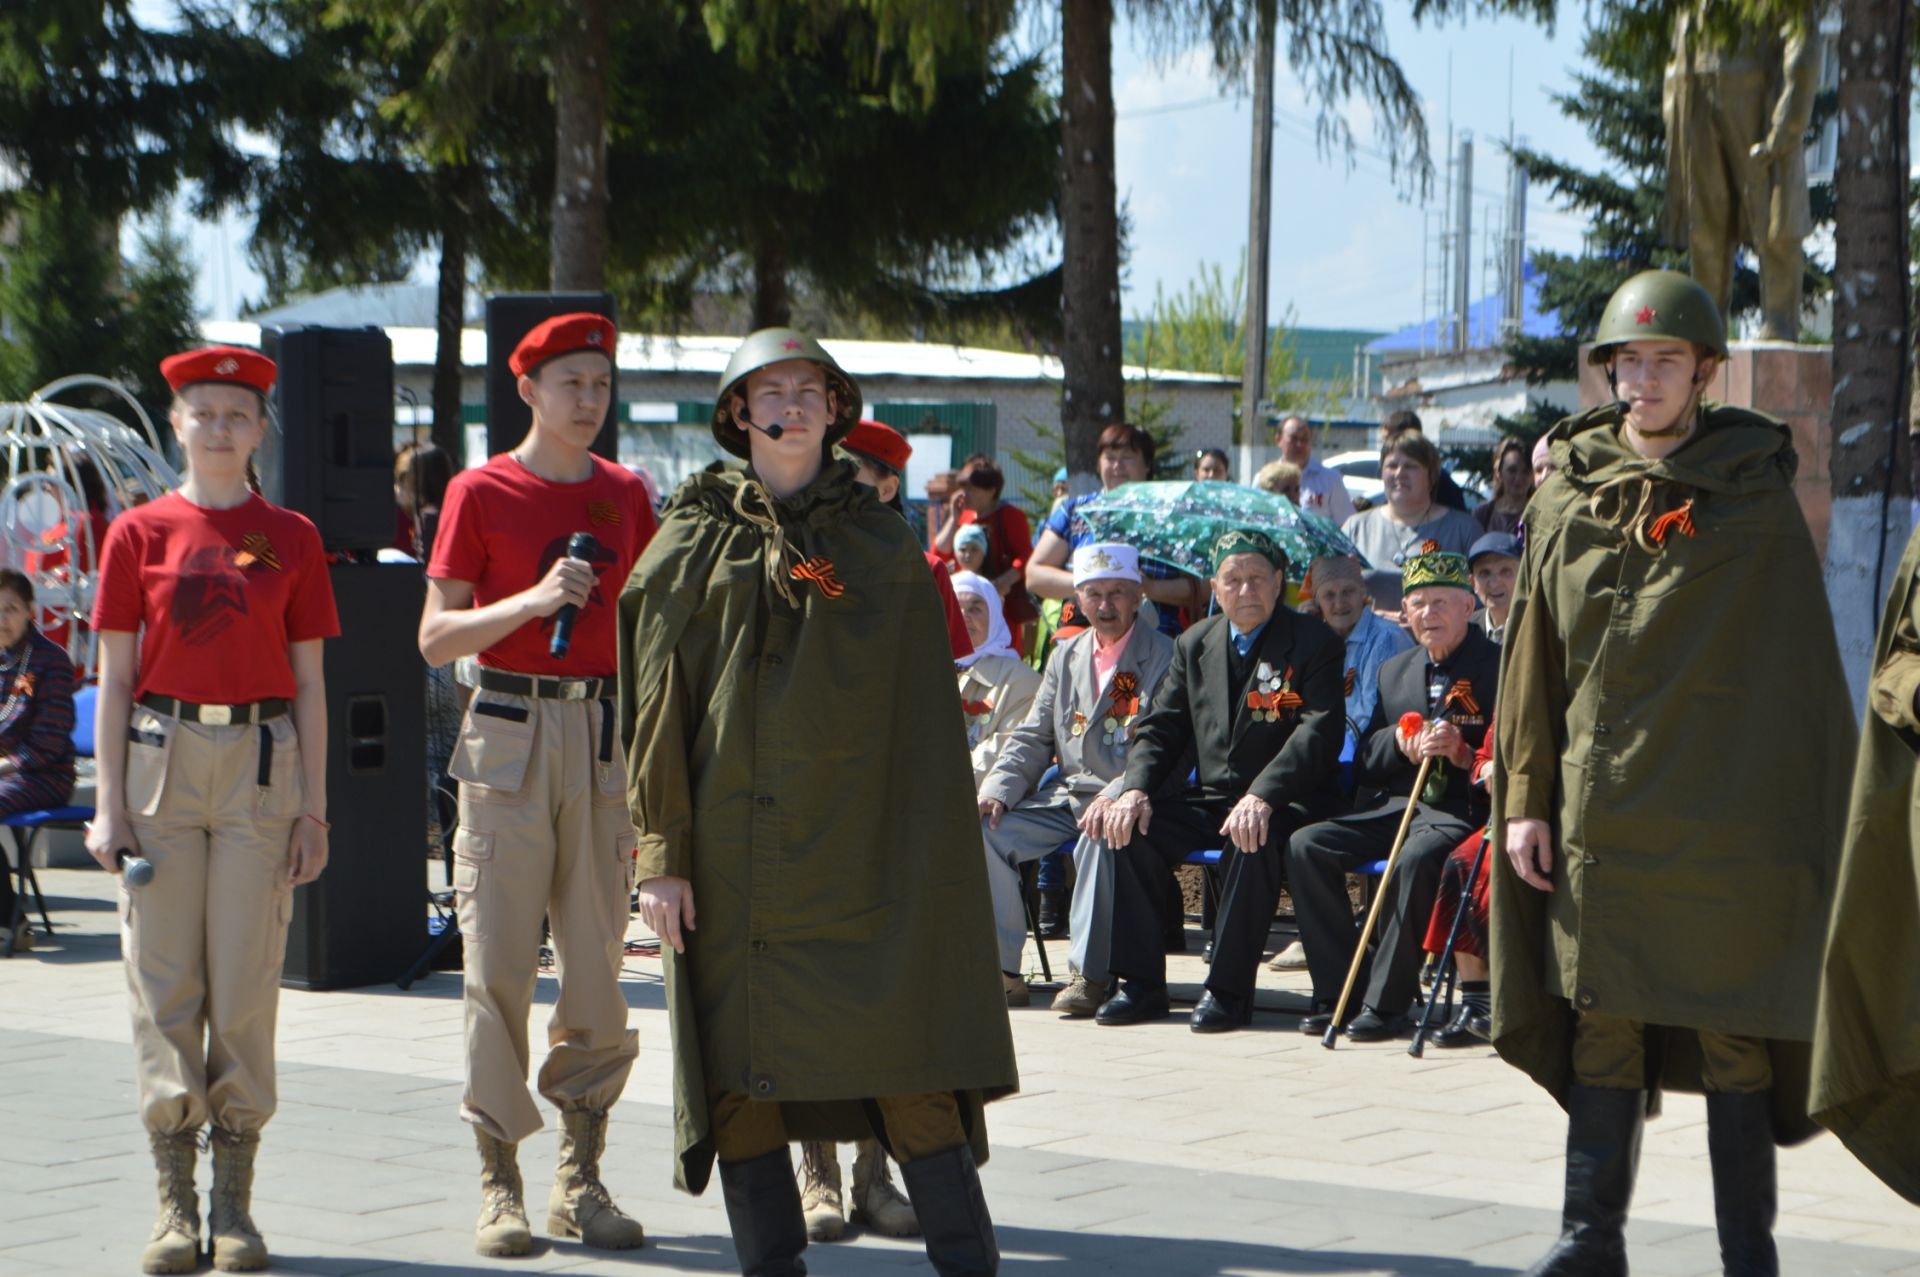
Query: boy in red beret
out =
(543, 826)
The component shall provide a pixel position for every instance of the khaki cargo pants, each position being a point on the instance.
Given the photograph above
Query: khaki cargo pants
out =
(544, 833)
(213, 808)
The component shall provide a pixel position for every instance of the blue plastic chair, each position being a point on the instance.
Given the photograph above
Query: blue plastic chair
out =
(33, 822)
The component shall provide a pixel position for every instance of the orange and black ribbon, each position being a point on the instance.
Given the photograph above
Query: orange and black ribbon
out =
(1274, 702)
(255, 548)
(819, 571)
(1460, 696)
(603, 513)
(1123, 695)
(1680, 521)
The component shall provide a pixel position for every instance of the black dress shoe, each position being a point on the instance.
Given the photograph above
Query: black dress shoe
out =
(1134, 1003)
(1315, 1025)
(1220, 1013)
(1469, 1027)
(1371, 1026)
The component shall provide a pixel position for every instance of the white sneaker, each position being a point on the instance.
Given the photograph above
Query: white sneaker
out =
(22, 938)
(1291, 958)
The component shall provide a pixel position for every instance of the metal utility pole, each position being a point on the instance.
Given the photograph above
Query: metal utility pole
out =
(1515, 254)
(1253, 379)
(1463, 260)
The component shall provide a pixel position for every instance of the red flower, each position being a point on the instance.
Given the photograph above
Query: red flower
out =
(1411, 723)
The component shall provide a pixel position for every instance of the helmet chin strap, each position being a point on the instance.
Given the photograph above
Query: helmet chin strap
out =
(1681, 425)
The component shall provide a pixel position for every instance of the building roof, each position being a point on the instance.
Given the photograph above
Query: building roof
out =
(358, 305)
(1483, 323)
(1326, 354)
(707, 356)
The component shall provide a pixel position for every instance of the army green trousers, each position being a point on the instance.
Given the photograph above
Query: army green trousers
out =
(1611, 1052)
(909, 1126)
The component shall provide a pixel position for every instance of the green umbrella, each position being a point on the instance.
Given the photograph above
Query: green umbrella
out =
(1176, 523)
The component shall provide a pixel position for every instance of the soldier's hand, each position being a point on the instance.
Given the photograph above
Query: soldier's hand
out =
(991, 809)
(666, 905)
(1131, 811)
(1247, 823)
(1530, 852)
(567, 581)
(1094, 819)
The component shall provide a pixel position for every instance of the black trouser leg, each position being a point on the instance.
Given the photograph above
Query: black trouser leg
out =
(1740, 1146)
(1244, 916)
(1405, 913)
(1319, 858)
(1141, 870)
(1603, 1151)
(763, 1210)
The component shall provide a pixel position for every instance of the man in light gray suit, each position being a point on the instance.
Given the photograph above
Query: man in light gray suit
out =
(1098, 685)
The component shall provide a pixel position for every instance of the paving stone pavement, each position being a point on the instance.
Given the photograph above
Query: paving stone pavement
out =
(1135, 1151)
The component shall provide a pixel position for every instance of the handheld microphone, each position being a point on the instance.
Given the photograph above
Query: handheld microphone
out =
(579, 546)
(136, 869)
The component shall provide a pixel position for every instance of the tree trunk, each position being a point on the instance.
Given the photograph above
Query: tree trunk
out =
(579, 251)
(449, 319)
(772, 303)
(1871, 302)
(1094, 393)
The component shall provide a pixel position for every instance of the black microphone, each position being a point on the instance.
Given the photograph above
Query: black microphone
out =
(580, 545)
(773, 431)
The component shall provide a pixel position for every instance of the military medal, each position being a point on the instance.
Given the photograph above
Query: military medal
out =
(1079, 727)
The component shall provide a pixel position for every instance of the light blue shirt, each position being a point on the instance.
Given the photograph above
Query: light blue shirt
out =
(1243, 643)
(1368, 647)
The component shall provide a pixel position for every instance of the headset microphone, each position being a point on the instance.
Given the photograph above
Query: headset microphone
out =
(772, 432)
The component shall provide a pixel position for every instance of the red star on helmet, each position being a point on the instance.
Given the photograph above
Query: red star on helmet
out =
(791, 344)
(1645, 315)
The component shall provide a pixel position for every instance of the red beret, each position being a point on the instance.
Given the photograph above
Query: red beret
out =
(881, 442)
(562, 335)
(233, 365)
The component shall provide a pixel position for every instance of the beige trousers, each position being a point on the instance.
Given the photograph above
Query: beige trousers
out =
(544, 833)
(205, 940)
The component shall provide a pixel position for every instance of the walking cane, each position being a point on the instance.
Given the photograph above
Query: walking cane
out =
(1447, 964)
(1393, 859)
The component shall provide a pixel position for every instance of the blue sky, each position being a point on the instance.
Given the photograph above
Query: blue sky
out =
(1347, 242)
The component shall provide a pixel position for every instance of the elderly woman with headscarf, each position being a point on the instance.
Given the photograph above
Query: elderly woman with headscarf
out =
(996, 686)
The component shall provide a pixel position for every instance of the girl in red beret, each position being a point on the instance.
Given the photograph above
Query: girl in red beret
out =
(544, 831)
(212, 738)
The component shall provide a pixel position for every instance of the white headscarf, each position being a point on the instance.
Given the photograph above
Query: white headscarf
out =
(999, 637)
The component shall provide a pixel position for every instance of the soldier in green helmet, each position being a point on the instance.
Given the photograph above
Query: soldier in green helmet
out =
(808, 849)
(1666, 793)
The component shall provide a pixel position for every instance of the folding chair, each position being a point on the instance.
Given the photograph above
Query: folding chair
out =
(33, 822)
(1445, 978)
(446, 912)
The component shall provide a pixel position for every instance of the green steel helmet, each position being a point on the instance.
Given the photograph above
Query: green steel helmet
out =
(772, 346)
(1659, 304)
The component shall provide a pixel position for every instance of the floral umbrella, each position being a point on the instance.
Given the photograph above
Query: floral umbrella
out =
(1176, 523)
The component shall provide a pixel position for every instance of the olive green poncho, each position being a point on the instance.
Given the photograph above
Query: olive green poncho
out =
(1866, 1044)
(1672, 702)
(795, 749)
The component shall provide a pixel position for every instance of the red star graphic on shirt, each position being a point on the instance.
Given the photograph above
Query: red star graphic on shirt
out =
(1645, 315)
(791, 344)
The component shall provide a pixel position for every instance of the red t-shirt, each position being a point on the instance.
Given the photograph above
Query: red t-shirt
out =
(501, 528)
(216, 595)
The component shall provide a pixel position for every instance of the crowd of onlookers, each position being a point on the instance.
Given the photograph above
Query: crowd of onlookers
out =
(1271, 743)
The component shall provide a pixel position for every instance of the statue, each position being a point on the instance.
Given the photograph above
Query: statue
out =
(1736, 119)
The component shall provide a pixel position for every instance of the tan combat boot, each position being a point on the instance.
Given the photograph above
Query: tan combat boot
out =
(580, 1205)
(1081, 998)
(175, 1247)
(876, 1202)
(503, 1229)
(820, 1191)
(236, 1243)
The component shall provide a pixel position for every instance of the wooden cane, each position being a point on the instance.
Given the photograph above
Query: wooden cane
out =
(1380, 894)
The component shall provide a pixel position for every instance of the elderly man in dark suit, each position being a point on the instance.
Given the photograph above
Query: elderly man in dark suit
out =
(1449, 681)
(1253, 708)
(1097, 688)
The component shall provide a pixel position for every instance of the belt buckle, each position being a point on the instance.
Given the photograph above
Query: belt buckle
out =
(573, 689)
(216, 715)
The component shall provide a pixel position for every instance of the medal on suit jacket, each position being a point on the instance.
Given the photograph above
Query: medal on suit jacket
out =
(1272, 695)
(977, 713)
(1123, 706)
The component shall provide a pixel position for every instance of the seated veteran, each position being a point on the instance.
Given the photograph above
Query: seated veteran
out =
(1340, 593)
(1449, 680)
(996, 686)
(1096, 687)
(1254, 699)
(1494, 562)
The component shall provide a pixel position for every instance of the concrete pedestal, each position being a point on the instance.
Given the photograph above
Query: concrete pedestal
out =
(1784, 380)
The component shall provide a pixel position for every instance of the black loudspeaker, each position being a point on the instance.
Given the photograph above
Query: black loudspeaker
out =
(511, 316)
(364, 921)
(332, 456)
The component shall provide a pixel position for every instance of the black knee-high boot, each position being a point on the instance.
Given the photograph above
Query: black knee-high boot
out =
(946, 1193)
(1603, 1151)
(1740, 1146)
(763, 1210)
